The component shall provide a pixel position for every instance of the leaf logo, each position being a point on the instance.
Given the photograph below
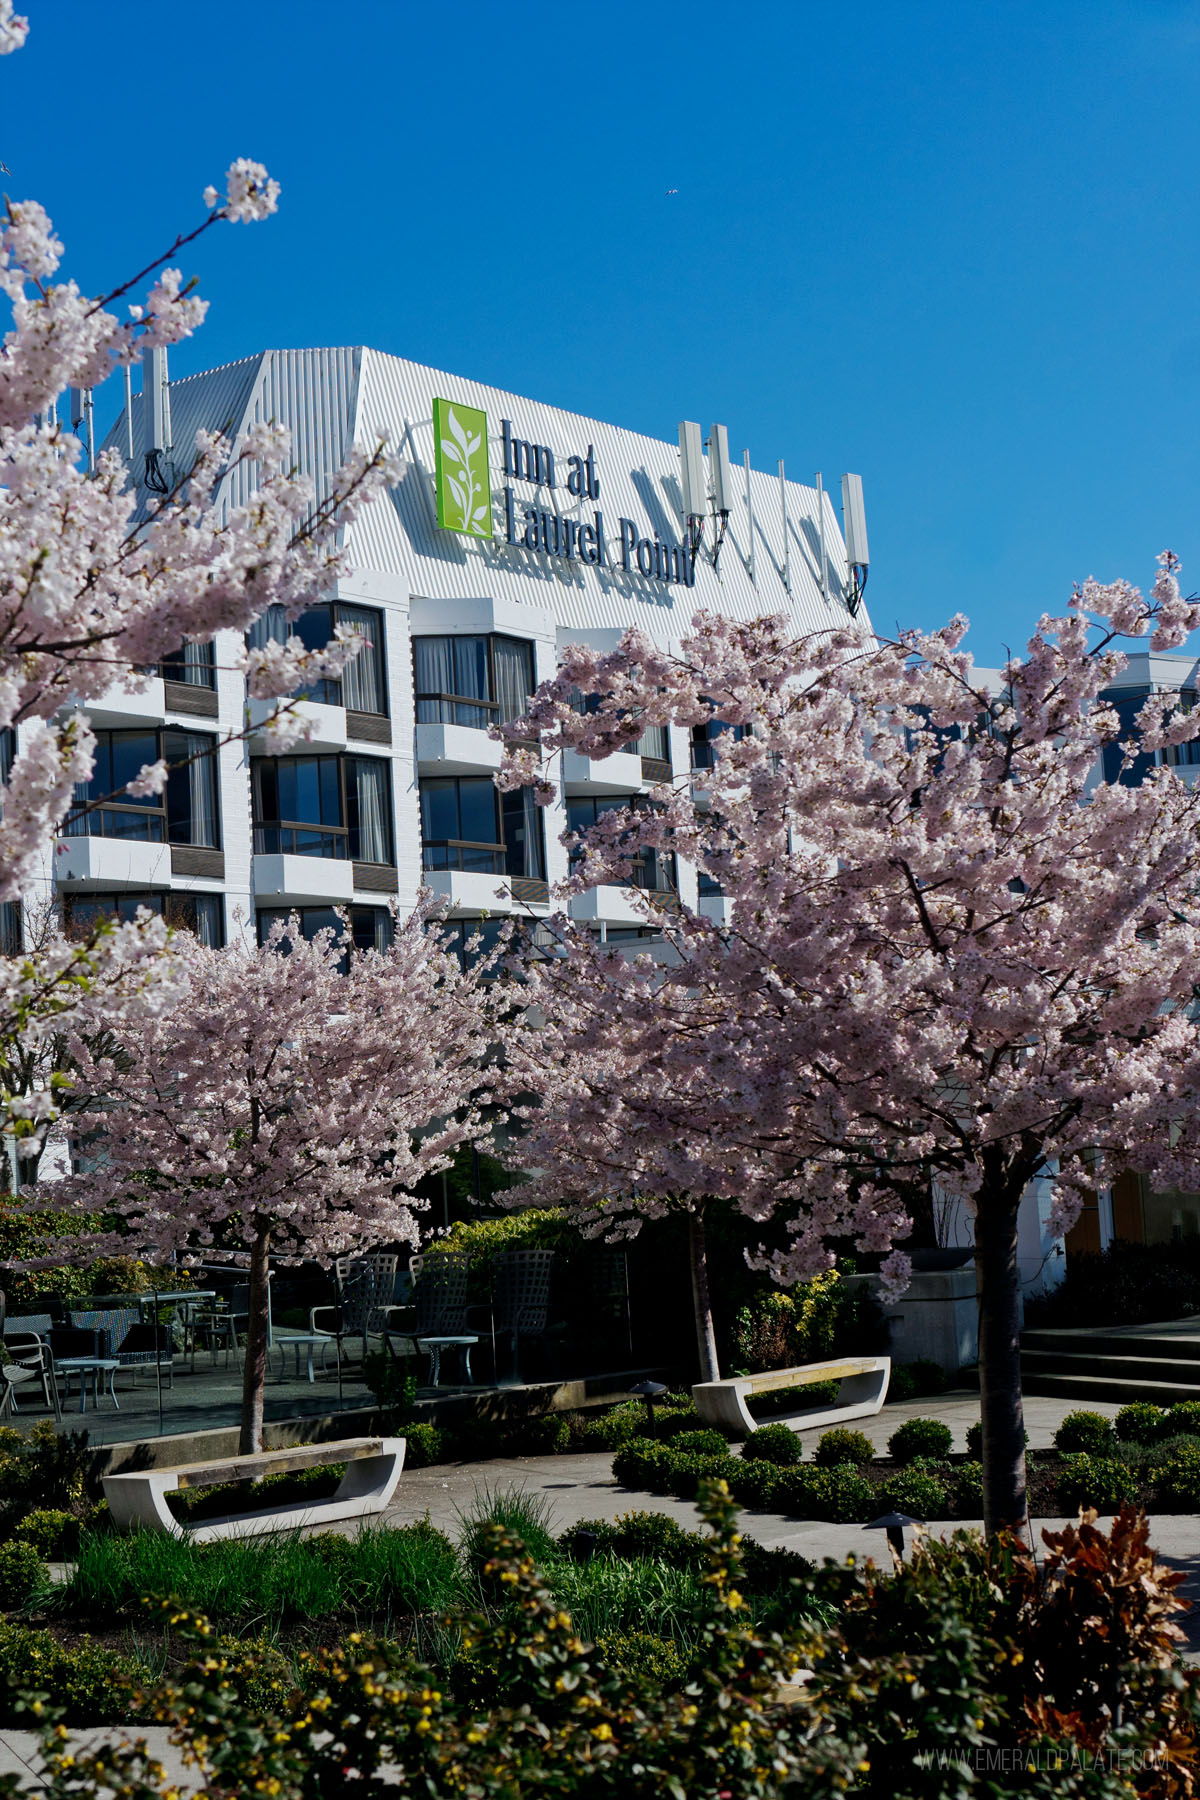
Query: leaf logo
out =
(464, 491)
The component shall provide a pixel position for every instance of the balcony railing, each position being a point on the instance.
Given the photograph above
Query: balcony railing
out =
(287, 839)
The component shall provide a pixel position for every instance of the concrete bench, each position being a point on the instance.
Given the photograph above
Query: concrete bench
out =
(862, 1389)
(137, 1500)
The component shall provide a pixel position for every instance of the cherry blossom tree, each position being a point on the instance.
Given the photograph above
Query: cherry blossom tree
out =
(950, 952)
(287, 1103)
(97, 585)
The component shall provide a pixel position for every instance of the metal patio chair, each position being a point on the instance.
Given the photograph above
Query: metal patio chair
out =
(31, 1363)
(440, 1308)
(521, 1298)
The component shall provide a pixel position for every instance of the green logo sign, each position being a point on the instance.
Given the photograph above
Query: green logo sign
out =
(464, 491)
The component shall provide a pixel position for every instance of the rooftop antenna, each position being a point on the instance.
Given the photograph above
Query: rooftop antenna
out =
(821, 537)
(156, 407)
(854, 525)
(79, 401)
(720, 484)
(750, 565)
(695, 487)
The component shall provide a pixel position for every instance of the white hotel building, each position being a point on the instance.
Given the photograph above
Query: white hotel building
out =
(586, 530)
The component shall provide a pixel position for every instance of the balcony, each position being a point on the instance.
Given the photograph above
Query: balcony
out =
(615, 905)
(119, 708)
(715, 907)
(300, 880)
(620, 773)
(470, 891)
(327, 724)
(111, 862)
(456, 750)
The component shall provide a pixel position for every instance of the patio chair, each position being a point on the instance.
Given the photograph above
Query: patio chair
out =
(23, 1324)
(521, 1297)
(32, 1362)
(439, 1314)
(145, 1343)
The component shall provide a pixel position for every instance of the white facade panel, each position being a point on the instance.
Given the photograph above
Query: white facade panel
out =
(579, 551)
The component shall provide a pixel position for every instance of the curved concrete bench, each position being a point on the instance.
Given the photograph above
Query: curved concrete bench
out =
(863, 1384)
(138, 1500)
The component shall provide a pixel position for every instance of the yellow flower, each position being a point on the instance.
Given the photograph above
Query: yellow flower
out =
(603, 1733)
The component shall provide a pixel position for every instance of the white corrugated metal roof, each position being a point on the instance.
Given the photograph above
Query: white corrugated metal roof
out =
(330, 397)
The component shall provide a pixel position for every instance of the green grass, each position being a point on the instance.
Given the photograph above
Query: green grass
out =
(527, 1516)
(610, 1595)
(412, 1569)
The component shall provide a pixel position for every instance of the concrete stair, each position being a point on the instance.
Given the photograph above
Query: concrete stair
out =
(1120, 1365)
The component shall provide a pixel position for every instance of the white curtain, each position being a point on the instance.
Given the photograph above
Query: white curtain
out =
(513, 663)
(432, 659)
(270, 627)
(202, 788)
(369, 774)
(198, 665)
(362, 681)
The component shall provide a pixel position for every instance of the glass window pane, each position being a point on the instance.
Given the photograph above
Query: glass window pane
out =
(331, 791)
(270, 627)
(131, 751)
(471, 667)
(192, 788)
(362, 683)
(369, 801)
(433, 666)
(477, 807)
(513, 660)
(439, 810)
(523, 835)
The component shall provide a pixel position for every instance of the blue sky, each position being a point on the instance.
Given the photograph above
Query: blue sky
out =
(950, 247)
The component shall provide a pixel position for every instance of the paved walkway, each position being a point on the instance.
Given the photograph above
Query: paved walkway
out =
(578, 1487)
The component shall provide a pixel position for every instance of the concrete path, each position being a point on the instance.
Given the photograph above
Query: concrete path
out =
(576, 1487)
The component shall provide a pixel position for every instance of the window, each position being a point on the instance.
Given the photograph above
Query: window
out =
(333, 806)
(1179, 756)
(473, 681)
(363, 685)
(467, 824)
(370, 926)
(186, 811)
(654, 743)
(201, 914)
(653, 870)
(705, 737)
(456, 935)
(1127, 703)
(11, 934)
(192, 664)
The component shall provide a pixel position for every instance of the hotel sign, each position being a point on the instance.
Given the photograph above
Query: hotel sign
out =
(464, 500)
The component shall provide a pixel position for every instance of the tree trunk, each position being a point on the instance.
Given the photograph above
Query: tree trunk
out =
(706, 1337)
(1004, 1496)
(254, 1375)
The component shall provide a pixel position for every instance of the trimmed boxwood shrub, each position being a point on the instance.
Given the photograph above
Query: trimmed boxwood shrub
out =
(755, 1484)
(1087, 1432)
(1140, 1423)
(840, 1495)
(920, 1437)
(91, 1684)
(705, 1442)
(687, 1472)
(53, 1533)
(22, 1573)
(920, 1492)
(968, 1489)
(975, 1440)
(1183, 1419)
(774, 1444)
(1179, 1478)
(843, 1446)
(1099, 1481)
(644, 1463)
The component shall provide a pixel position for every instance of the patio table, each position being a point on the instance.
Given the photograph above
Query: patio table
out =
(283, 1341)
(95, 1366)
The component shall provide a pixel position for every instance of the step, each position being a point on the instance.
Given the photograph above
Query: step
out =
(1121, 1390)
(1099, 1343)
(1175, 1371)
